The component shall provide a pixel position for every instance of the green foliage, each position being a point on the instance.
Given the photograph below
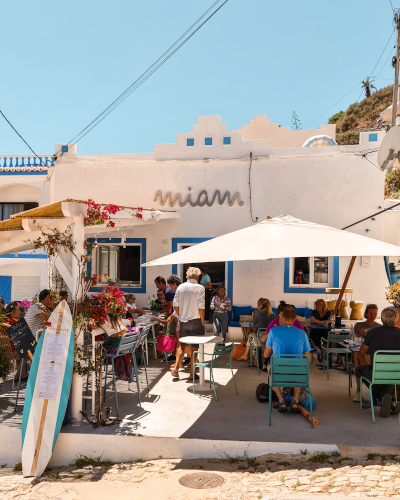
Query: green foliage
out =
(285, 464)
(342, 459)
(83, 461)
(18, 467)
(335, 454)
(392, 184)
(319, 458)
(333, 119)
(5, 363)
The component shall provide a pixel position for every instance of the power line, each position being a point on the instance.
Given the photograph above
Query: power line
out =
(20, 136)
(391, 5)
(152, 69)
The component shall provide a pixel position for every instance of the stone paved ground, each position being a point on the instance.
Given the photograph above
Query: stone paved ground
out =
(245, 478)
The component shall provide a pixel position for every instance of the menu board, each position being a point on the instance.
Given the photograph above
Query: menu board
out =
(49, 380)
(54, 348)
(22, 338)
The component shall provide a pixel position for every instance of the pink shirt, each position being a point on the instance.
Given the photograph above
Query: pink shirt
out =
(275, 322)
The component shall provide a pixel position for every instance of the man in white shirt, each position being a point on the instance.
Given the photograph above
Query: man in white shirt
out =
(189, 305)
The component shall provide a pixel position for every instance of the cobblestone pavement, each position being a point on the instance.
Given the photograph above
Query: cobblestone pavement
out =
(245, 477)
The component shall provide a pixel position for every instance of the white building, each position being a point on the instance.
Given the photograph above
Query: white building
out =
(331, 185)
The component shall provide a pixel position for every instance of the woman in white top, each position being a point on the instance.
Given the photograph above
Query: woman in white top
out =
(131, 306)
(114, 329)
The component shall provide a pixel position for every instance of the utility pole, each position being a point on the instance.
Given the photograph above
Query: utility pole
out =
(396, 66)
(296, 123)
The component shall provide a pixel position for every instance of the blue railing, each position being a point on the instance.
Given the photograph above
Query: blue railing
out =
(26, 161)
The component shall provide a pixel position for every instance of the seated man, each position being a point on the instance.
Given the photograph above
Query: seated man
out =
(383, 338)
(287, 339)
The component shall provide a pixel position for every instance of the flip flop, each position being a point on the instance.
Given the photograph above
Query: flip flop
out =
(396, 409)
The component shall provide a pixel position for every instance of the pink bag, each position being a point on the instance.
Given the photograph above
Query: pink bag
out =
(166, 343)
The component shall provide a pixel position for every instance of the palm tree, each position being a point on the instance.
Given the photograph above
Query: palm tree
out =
(367, 86)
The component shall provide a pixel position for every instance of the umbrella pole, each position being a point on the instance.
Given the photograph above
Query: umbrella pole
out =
(344, 286)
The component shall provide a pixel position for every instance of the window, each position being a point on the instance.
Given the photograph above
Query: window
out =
(189, 142)
(373, 137)
(311, 271)
(227, 140)
(119, 262)
(208, 141)
(8, 209)
(64, 149)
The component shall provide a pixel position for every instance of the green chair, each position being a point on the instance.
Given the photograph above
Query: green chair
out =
(333, 338)
(290, 370)
(219, 350)
(385, 371)
(256, 337)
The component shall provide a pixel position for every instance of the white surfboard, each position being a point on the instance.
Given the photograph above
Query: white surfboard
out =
(47, 391)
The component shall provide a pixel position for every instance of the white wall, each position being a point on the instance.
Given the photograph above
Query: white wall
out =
(20, 193)
(25, 268)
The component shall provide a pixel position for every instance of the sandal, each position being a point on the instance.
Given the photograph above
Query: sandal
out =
(242, 359)
(282, 408)
(294, 407)
(396, 409)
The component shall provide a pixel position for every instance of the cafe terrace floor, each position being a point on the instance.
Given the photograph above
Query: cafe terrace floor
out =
(174, 423)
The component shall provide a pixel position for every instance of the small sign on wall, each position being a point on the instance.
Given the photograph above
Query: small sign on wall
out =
(365, 261)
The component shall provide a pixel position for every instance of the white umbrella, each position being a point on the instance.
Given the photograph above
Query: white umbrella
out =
(278, 238)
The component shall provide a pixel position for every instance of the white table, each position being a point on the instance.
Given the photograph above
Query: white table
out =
(201, 339)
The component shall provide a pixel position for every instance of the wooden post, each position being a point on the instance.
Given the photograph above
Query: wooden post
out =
(344, 286)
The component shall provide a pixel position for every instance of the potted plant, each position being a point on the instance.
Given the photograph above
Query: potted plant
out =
(393, 297)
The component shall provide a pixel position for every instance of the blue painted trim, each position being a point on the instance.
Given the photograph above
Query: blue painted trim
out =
(142, 242)
(372, 137)
(176, 241)
(388, 270)
(23, 256)
(229, 278)
(43, 172)
(294, 289)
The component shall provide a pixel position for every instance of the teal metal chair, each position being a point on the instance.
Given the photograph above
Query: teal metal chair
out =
(290, 370)
(334, 338)
(385, 371)
(256, 336)
(220, 349)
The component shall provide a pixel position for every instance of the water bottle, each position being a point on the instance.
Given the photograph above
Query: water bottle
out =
(352, 335)
(153, 303)
(148, 301)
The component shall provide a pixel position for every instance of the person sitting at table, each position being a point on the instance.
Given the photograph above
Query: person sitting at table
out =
(360, 330)
(261, 319)
(287, 339)
(279, 320)
(221, 304)
(13, 314)
(320, 316)
(131, 306)
(383, 338)
(168, 294)
(114, 329)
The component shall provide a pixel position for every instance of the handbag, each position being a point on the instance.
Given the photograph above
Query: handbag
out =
(166, 342)
(239, 350)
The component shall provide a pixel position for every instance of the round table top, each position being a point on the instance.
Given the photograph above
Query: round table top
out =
(201, 339)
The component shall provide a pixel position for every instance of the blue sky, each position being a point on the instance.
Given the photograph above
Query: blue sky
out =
(62, 63)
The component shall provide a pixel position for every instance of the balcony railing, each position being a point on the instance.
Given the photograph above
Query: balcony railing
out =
(26, 162)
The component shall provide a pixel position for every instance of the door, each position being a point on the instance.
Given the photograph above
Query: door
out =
(5, 288)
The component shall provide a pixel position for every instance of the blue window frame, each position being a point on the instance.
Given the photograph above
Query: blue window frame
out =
(189, 142)
(64, 149)
(373, 137)
(208, 141)
(227, 140)
(289, 288)
(142, 242)
(229, 277)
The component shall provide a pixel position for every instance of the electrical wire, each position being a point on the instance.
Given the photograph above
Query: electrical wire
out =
(370, 216)
(152, 69)
(380, 57)
(20, 136)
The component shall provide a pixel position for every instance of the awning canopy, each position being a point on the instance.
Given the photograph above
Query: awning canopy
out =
(277, 238)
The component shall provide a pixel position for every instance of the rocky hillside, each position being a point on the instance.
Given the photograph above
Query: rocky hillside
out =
(362, 116)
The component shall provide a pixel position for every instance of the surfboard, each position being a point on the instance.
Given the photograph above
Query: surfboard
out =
(47, 391)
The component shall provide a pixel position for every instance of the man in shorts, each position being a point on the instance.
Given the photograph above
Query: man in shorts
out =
(189, 305)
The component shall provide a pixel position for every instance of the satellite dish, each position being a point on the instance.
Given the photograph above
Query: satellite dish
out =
(319, 140)
(389, 150)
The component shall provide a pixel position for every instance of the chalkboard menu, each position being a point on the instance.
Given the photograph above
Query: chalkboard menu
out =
(21, 336)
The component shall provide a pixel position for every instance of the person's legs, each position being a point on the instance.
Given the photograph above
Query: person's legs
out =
(216, 323)
(178, 361)
(245, 355)
(278, 392)
(224, 324)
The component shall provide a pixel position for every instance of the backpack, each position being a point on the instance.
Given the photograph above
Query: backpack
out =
(262, 393)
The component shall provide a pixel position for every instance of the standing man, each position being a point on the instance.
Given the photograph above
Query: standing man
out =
(189, 304)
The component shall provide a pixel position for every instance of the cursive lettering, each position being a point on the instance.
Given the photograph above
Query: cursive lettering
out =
(202, 199)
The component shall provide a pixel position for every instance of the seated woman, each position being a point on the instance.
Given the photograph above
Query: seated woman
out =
(279, 321)
(261, 319)
(131, 306)
(13, 313)
(320, 316)
(114, 329)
